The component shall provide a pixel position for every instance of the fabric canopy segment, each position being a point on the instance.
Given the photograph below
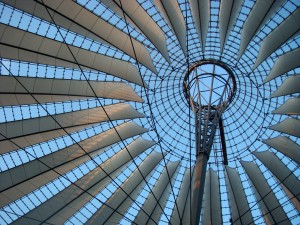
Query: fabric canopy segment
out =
(15, 90)
(151, 211)
(281, 34)
(181, 213)
(29, 184)
(270, 207)
(20, 142)
(286, 146)
(20, 134)
(290, 107)
(30, 47)
(240, 211)
(294, 200)
(84, 185)
(65, 120)
(261, 12)
(212, 199)
(229, 10)
(283, 64)
(282, 173)
(67, 154)
(291, 85)
(141, 19)
(128, 187)
(131, 151)
(201, 15)
(171, 12)
(69, 15)
(288, 126)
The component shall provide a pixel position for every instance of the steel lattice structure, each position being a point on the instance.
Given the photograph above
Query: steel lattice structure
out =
(105, 106)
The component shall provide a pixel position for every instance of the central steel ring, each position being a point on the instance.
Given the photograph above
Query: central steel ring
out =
(209, 83)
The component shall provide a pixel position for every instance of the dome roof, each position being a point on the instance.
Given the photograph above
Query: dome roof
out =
(96, 123)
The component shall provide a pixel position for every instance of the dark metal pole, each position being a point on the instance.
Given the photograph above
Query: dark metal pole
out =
(198, 187)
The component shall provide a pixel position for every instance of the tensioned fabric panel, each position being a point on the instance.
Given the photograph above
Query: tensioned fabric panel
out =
(288, 126)
(28, 140)
(142, 20)
(290, 107)
(201, 15)
(148, 214)
(128, 186)
(33, 168)
(118, 10)
(215, 197)
(115, 164)
(49, 208)
(261, 12)
(67, 212)
(81, 117)
(18, 190)
(115, 217)
(281, 34)
(283, 64)
(159, 209)
(18, 87)
(182, 198)
(282, 173)
(38, 10)
(186, 219)
(82, 21)
(291, 85)
(263, 209)
(206, 214)
(286, 146)
(229, 10)
(265, 194)
(24, 99)
(293, 200)
(32, 57)
(172, 14)
(30, 184)
(25, 46)
(239, 207)
(211, 204)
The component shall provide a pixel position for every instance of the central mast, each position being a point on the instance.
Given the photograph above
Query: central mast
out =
(209, 87)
